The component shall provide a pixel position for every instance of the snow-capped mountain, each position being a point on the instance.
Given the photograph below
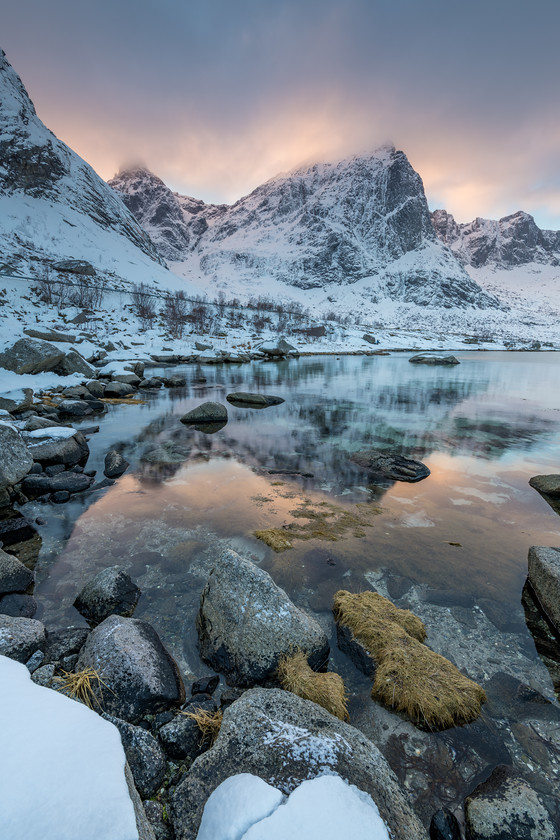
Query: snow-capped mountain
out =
(363, 222)
(53, 205)
(511, 241)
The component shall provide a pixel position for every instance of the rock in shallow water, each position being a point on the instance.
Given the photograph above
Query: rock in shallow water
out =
(110, 592)
(548, 484)
(244, 399)
(246, 623)
(544, 577)
(208, 412)
(429, 359)
(115, 464)
(386, 465)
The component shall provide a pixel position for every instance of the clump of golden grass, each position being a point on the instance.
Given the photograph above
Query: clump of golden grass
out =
(409, 676)
(275, 538)
(328, 690)
(83, 686)
(209, 723)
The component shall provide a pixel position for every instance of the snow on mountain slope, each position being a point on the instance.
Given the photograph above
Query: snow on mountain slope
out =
(53, 206)
(363, 220)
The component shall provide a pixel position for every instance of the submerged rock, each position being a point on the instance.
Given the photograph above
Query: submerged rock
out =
(241, 398)
(505, 807)
(71, 482)
(115, 464)
(138, 675)
(286, 740)
(429, 359)
(246, 623)
(111, 592)
(385, 465)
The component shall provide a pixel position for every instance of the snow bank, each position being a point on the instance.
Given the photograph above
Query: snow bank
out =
(61, 766)
(12, 384)
(50, 433)
(245, 807)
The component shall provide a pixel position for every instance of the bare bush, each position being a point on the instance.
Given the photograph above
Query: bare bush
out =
(175, 313)
(85, 295)
(143, 304)
(52, 290)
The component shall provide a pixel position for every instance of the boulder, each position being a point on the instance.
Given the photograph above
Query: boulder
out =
(115, 464)
(430, 359)
(14, 576)
(18, 605)
(17, 405)
(286, 740)
(152, 382)
(21, 637)
(174, 381)
(96, 388)
(56, 445)
(30, 355)
(145, 757)
(369, 338)
(16, 460)
(139, 676)
(111, 592)
(82, 267)
(71, 482)
(386, 465)
(74, 408)
(50, 335)
(63, 642)
(243, 399)
(72, 362)
(444, 826)
(544, 577)
(202, 347)
(181, 737)
(246, 623)
(208, 412)
(548, 484)
(277, 348)
(118, 390)
(505, 807)
(127, 378)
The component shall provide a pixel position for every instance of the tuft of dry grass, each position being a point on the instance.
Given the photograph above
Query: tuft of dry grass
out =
(84, 686)
(327, 689)
(409, 677)
(209, 723)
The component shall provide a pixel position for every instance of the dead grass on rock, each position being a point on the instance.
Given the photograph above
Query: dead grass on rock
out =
(209, 723)
(327, 689)
(84, 686)
(409, 677)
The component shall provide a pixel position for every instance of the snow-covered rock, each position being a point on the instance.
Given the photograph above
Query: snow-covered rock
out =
(69, 780)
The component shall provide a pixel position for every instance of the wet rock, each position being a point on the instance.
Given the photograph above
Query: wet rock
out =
(243, 399)
(16, 460)
(21, 637)
(544, 577)
(111, 592)
(54, 450)
(17, 605)
(208, 412)
(386, 465)
(127, 378)
(115, 464)
(14, 528)
(74, 408)
(60, 497)
(30, 355)
(548, 484)
(285, 740)
(206, 685)
(246, 623)
(505, 807)
(175, 381)
(14, 576)
(153, 382)
(355, 650)
(444, 826)
(65, 481)
(139, 675)
(118, 390)
(430, 359)
(145, 757)
(64, 642)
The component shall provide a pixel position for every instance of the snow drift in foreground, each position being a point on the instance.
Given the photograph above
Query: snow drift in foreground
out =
(245, 807)
(61, 766)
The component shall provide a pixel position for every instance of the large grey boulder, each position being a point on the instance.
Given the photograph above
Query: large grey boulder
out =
(82, 267)
(246, 623)
(505, 807)
(73, 362)
(138, 675)
(430, 359)
(16, 461)
(277, 348)
(548, 484)
(21, 637)
(285, 740)
(208, 412)
(145, 757)
(14, 576)
(30, 355)
(111, 592)
(544, 577)
(50, 335)
(53, 446)
(118, 390)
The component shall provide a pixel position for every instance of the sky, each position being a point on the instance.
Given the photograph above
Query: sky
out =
(218, 96)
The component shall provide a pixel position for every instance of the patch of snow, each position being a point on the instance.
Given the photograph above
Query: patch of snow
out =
(50, 433)
(71, 783)
(235, 805)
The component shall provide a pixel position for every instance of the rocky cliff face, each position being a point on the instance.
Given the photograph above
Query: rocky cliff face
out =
(511, 241)
(39, 172)
(361, 220)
